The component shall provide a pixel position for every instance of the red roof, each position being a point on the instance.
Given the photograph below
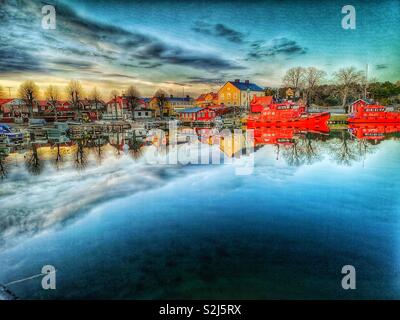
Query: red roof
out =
(262, 100)
(201, 97)
(214, 95)
(3, 101)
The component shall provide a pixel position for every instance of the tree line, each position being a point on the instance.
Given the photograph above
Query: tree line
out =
(29, 92)
(346, 85)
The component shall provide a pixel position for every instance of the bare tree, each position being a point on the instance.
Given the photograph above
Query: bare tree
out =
(53, 96)
(133, 97)
(294, 78)
(74, 91)
(161, 99)
(95, 96)
(29, 92)
(347, 79)
(312, 79)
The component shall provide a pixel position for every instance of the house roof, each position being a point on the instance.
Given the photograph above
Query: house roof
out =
(262, 100)
(3, 101)
(179, 99)
(191, 110)
(15, 102)
(201, 97)
(242, 86)
(361, 100)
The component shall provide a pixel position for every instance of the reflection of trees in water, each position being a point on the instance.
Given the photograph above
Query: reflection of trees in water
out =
(342, 147)
(304, 150)
(96, 146)
(117, 145)
(99, 152)
(3, 170)
(364, 147)
(32, 162)
(80, 156)
(345, 149)
(58, 160)
(135, 146)
(291, 154)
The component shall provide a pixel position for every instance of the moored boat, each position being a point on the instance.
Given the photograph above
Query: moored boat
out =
(14, 137)
(287, 114)
(364, 112)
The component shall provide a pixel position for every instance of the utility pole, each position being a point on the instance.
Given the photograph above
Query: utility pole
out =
(9, 92)
(366, 82)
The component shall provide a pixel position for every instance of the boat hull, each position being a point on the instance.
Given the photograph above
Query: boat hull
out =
(309, 121)
(386, 117)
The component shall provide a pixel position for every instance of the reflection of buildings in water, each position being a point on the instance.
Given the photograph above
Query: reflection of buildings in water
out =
(374, 132)
(295, 145)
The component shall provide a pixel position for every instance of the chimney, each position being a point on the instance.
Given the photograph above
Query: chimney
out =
(246, 81)
(237, 80)
(171, 96)
(187, 96)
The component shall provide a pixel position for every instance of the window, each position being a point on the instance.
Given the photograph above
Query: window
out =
(139, 114)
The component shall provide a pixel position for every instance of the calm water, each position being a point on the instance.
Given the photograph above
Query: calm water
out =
(116, 226)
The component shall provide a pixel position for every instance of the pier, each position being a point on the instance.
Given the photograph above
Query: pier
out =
(6, 293)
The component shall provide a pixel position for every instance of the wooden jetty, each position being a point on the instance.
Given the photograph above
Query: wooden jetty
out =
(6, 294)
(96, 127)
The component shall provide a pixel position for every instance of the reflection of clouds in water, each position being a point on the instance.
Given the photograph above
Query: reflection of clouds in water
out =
(30, 204)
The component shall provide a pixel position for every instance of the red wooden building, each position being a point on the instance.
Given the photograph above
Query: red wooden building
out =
(197, 114)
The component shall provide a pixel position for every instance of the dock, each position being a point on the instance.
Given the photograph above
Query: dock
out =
(6, 294)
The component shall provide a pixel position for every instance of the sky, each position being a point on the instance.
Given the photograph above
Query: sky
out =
(190, 47)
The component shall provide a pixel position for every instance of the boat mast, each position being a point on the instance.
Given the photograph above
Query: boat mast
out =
(366, 82)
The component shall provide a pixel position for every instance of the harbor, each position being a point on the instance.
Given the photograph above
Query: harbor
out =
(199, 151)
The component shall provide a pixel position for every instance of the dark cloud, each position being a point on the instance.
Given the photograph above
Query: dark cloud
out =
(278, 46)
(142, 65)
(219, 30)
(230, 34)
(206, 80)
(73, 63)
(17, 61)
(175, 55)
(118, 75)
(77, 39)
(381, 66)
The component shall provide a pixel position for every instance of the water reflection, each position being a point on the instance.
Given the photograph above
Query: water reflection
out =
(87, 169)
(95, 193)
(296, 146)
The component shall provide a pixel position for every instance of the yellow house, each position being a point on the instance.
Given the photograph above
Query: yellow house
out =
(236, 93)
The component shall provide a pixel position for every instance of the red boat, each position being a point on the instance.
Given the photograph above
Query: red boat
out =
(373, 131)
(282, 135)
(287, 114)
(363, 112)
